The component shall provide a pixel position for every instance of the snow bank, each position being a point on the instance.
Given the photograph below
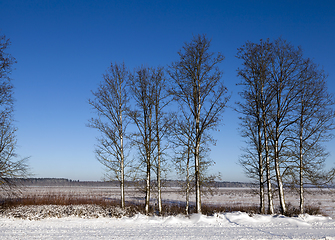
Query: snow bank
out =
(86, 222)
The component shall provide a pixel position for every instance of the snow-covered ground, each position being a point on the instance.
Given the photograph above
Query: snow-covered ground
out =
(323, 198)
(220, 226)
(91, 222)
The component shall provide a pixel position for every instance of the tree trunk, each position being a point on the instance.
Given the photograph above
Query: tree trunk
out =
(261, 185)
(279, 180)
(260, 166)
(197, 179)
(122, 155)
(301, 166)
(148, 139)
(197, 153)
(267, 157)
(301, 188)
(268, 175)
(147, 190)
(159, 174)
(276, 152)
(158, 155)
(188, 178)
(122, 174)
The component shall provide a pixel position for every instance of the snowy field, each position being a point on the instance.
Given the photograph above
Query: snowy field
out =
(234, 225)
(323, 198)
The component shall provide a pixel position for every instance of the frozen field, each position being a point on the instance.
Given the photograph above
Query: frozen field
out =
(234, 225)
(324, 198)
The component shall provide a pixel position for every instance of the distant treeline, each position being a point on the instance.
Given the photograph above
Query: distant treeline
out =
(69, 182)
(64, 182)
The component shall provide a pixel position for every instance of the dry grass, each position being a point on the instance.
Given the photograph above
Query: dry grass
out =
(133, 208)
(309, 209)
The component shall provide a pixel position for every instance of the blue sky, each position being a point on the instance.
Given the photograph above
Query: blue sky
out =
(62, 49)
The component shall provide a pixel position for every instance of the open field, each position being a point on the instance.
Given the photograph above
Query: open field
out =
(89, 221)
(228, 197)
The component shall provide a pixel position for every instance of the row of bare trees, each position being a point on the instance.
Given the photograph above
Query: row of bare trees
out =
(144, 100)
(286, 115)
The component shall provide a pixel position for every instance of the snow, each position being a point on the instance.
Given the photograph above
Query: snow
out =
(93, 222)
(235, 225)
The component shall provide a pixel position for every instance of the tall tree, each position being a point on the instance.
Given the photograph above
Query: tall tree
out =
(143, 91)
(273, 70)
(10, 166)
(111, 105)
(287, 114)
(315, 122)
(198, 85)
(257, 97)
(162, 123)
(285, 73)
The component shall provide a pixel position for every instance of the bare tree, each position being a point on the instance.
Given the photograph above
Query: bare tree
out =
(198, 85)
(272, 69)
(162, 123)
(10, 166)
(111, 105)
(285, 74)
(279, 69)
(287, 113)
(315, 123)
(143, 91)
(257, 97)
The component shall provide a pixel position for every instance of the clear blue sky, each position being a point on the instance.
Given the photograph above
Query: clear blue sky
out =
(63, 47)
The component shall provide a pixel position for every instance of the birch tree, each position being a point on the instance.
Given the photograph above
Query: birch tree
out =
(282, 72)
(275, 74)
(111, 106)
(198, 86)
(285, 74)
(287, 114)
(314, 126)
(162, 124)
(257, 97)
(143, 92)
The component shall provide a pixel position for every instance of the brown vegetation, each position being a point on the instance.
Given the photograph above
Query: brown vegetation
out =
(132, 208)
